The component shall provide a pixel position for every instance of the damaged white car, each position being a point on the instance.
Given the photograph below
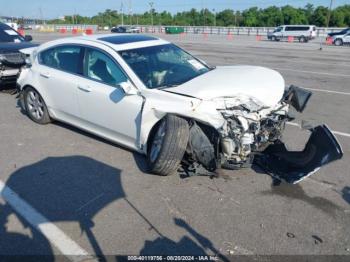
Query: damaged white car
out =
(153, 97)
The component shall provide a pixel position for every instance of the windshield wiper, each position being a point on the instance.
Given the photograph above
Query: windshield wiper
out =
(167, 86)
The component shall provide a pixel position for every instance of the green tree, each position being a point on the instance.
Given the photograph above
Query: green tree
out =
(225, 18)
(319, 17)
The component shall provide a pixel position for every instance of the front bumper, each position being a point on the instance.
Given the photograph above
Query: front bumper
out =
(8, 76)
(291, 166)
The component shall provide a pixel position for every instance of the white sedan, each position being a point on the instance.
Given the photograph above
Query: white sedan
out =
(151, 96)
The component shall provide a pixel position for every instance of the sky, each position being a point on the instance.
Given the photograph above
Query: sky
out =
(49, 9)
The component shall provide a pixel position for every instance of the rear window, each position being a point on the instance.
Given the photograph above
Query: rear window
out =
(65, 58)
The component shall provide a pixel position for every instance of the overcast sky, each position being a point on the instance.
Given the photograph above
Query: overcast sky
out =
(55, 8)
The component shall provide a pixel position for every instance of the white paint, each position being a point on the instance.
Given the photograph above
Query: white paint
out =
(334, 132)
(328, 91)
(311, 72)
(261, 83)
(52, 233)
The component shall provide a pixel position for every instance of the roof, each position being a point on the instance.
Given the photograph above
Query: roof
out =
(121, 42)
(126, 39)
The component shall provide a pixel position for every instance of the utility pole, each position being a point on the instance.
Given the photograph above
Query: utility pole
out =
(329, 13)
(214, 16)
(130, 12)
(41, 14)
(151, 4)
(121, 11)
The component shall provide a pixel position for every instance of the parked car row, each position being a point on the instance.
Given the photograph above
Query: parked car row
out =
(340, 38)
(126, 29)
(305, 33)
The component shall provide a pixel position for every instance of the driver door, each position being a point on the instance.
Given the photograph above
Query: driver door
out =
(105, 109)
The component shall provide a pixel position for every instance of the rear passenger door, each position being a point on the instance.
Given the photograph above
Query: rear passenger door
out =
(60, 71)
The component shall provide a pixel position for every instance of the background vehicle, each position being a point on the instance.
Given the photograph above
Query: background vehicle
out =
(12, 25)
(153, 97)
(303, 33)
(126, 29)
(339, 33)
(11, 60)
(339, 40)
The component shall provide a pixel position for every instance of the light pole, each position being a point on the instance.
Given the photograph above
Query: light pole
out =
(214, 17)
(151, 7)
(130, 12)
(121, 11)
(329, 13)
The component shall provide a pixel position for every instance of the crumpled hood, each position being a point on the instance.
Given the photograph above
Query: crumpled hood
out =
(265, 85)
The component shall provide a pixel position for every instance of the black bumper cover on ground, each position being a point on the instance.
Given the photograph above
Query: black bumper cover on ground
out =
(292, 167)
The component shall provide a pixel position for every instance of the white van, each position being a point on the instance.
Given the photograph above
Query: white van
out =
(303, 33)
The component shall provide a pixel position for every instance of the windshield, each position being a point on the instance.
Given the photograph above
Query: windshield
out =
(7, 34)
(345, 31)
(163, 66)
(278, 29)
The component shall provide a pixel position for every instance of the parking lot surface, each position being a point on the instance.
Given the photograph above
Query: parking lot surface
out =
(98, 195)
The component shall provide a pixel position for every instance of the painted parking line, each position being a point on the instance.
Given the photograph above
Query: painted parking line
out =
(334, 132)
(52, 233)
(311, 72)
(329, 91)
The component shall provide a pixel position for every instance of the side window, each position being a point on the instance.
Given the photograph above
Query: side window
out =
(66, 58)
(101, 67)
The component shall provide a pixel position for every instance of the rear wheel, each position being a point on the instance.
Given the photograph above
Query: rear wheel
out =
(35, 106)
(168, 145)
(338, 42)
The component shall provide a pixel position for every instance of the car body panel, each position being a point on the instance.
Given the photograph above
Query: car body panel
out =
(264, 84)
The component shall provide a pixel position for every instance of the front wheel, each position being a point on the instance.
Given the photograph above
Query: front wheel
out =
(168, 145)
(35, 106)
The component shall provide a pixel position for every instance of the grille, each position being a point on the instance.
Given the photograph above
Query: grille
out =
(13, 59)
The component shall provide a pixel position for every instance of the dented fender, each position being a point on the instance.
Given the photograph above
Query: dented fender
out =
(157, 105)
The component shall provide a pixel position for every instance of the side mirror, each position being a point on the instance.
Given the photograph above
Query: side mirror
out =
(128, 88)
(28, 38)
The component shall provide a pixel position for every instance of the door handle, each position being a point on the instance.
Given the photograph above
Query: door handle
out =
(85, 88)
(45, 75)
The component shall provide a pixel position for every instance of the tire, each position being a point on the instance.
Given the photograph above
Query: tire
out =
(302, 39)
(273, 38)
(35, 106)
(338, 42)
(168, 145)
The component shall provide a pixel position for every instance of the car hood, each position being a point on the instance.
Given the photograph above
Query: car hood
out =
(15, 47)
(263, 84)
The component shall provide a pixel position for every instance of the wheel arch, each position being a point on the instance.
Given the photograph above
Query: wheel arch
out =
(209, 130)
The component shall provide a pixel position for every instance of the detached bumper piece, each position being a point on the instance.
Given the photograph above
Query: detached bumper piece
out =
(292, 167)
